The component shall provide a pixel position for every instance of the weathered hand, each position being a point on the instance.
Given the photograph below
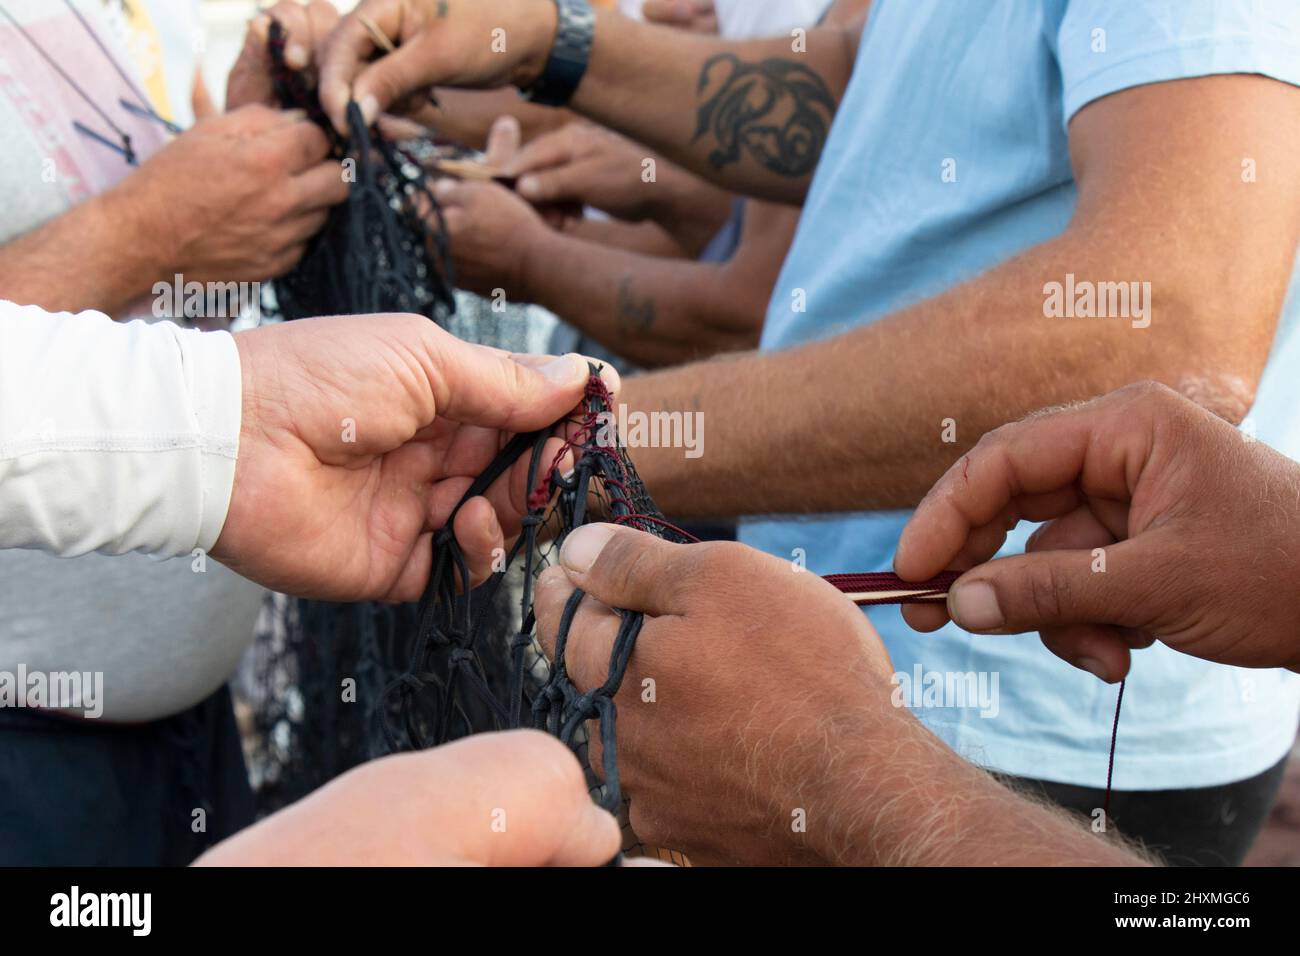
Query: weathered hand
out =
(508, 799)
(588, 165)
(359, 437)
(1165, 524)
(306, 25)
(480, 44)
(753, 691)
(492, 233)
(235, 198)
(698, 16)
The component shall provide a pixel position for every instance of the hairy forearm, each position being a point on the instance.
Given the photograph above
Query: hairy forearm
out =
(652, 311)
(920, 804)
(91, 257)
(692, 82)
(871, 419)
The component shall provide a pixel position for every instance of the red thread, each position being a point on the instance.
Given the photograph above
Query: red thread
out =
(917, 592)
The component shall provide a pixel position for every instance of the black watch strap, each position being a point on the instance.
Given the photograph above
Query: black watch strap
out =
(569, 57)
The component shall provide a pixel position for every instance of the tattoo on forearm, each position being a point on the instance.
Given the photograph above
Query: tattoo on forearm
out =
(778, 112)
(635, 314)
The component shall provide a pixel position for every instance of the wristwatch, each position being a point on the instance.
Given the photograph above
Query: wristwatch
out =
(569, 56)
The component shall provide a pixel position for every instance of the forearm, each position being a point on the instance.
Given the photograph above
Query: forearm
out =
(652, 311)
(688, 208)
(870, 419)
(92, 257)
(690, 80)
(920, 804)
(645, 238)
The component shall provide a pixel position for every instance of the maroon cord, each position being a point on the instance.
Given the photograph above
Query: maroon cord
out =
(895, 589)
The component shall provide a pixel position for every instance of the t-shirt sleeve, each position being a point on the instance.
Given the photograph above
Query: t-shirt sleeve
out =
(1105, 46)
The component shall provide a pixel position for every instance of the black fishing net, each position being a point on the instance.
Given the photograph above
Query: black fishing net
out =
(329, 686)
(318, 670)
(385, 248)
(453, 685)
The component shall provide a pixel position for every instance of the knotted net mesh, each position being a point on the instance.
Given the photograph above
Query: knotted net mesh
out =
(333, 685)
(452, 686)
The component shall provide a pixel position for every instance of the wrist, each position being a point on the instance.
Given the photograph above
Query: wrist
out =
(144, 253)
(541, 255)
(881, 805)
(541, 27)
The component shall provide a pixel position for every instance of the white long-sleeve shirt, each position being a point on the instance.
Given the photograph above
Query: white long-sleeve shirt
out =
(114, 438)
(118, 438)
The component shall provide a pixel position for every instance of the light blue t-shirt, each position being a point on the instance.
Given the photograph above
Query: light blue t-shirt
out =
(985, 90)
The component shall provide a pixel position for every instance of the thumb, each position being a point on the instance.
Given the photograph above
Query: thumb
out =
(475, 385)
(503, 142)
(543, 812)
(347, 74)
(1117, 586)
(629, 569)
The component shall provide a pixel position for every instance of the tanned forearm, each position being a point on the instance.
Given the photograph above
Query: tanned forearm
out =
(871, 419)
(95, 256)
(644, 238)
(922, 805)
(692, 83)
(689, 209)
(652, 311)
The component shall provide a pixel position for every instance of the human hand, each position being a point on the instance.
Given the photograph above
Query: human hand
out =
(698, 16)
(770, 692)
(1164, 523)
(359, 437)
(235, 198)
(492, 233)
(306, 25)
(440, 807)
(587, 165)
(439, 43)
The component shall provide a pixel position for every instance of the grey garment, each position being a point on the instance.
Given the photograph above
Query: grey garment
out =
(164, 635)
(515, 328)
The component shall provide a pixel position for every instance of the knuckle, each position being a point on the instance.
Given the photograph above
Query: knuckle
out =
(1149, 393)
(1046, 593)
(629, 567)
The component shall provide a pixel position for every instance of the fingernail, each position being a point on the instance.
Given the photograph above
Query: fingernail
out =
(563, 371)
(529, 187)
(260, 25)
(584, 545)
(369, 109)
(1094, 667)
(443, 188)
(296, 56)
(975, 607)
